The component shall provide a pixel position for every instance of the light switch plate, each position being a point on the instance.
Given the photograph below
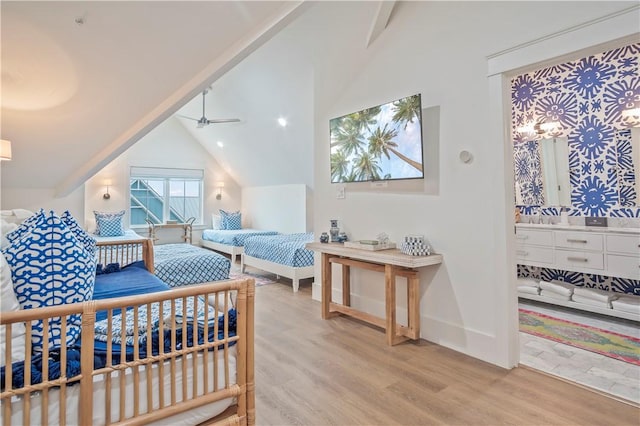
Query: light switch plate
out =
(340, 193)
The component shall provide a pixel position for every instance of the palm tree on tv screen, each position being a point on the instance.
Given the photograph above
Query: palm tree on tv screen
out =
(406, 109)
(348, 137)
(339, 166)
(366, 167)
(381, 142)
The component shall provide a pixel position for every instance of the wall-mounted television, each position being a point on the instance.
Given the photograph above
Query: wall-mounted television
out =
(379, 143)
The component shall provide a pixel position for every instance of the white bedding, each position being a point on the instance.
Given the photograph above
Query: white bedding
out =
(129, 234)
(190, 417)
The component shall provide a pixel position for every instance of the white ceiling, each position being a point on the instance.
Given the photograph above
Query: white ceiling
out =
(74, 95)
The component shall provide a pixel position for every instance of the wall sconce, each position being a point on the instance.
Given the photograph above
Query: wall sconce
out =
(106, 195)
(219, 185)
(632, 114)
(539, 128)
(5, 150)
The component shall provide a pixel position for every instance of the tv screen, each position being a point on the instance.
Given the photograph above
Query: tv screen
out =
(379, 143)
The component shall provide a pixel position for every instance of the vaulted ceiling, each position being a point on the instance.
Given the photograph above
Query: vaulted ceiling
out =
(83, 81)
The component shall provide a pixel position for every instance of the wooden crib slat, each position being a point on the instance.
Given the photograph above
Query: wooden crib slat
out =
(173, 349)
(26, 402)
(226, 339)
(123, 359)
(136, 357)
(109, 363)
(8, 376)
(184, 346)
(194, 355)
(216, 331)
(44, 416)
(63, 373)
(205, 355)
(147, 367)
(160, 353)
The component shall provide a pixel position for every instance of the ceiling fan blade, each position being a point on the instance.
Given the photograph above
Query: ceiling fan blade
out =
(188, 118)
(223, 120)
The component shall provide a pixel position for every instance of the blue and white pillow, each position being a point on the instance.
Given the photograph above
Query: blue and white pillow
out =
(109, 224)
(231, 220)
(50, 267)
(25, 227)
(81, 235)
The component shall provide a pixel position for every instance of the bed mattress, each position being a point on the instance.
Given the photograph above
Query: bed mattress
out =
(285, 249)
(129, 234)
(183, 264)
(232, 237)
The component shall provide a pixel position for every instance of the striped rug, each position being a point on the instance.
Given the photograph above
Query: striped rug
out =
(607, 343)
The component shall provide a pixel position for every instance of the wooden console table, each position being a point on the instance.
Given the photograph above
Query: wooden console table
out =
(187, 228)
(394, 264)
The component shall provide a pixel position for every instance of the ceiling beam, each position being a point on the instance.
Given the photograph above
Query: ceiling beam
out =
(381, 20)
(212, 72)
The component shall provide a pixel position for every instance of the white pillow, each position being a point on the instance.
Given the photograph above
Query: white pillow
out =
(9, 303)
(5, 228)
(216, 221)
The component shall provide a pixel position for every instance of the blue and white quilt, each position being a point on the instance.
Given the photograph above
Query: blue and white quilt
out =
(232, 237)
(183, 264)
(285, 249)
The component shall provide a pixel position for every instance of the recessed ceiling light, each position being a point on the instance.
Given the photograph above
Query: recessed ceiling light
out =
(220, 144)
(282, 122)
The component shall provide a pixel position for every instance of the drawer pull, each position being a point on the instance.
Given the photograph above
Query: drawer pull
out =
(577, 259)
(522, 252)
(573, 240)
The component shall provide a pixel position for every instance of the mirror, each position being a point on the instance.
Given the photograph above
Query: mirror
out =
(542, 173)
(628, 166)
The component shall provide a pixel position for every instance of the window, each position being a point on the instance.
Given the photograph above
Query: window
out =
(159, 195)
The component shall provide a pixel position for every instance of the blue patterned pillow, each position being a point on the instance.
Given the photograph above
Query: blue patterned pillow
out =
(50, 267)
(25, 227)
(81, 235)
(109, 224)
(231, 220)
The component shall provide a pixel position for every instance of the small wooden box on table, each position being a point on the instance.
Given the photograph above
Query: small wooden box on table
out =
(392, 263)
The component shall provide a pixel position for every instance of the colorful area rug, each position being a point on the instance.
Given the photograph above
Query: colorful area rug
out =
(260, 279)
(607, 343)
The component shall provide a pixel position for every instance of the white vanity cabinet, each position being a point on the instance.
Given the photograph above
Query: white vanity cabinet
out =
(602, 251)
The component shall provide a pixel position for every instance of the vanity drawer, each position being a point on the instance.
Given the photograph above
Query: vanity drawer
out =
(579, 240)
(623, 266)
(625, 244)
(576, 259)
(535, 237)
(530, 254)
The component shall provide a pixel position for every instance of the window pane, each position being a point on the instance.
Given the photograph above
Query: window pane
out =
(147, 201)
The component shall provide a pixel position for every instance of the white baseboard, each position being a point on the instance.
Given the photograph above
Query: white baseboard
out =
(462, 339)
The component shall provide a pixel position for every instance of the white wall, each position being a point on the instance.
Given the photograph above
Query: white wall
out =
(281, 208)
(168, 145)
(439, 49)
(36, 198)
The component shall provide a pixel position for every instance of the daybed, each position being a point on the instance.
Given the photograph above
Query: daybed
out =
(187, 362)
(182, 264)
(229, 241)
(282, 254)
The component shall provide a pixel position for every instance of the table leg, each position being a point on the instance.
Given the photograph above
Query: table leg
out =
(326, 285)
(390, 303)
(346, 285)
(413, 305)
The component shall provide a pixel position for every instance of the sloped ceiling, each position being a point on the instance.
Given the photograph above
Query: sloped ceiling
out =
(82, 81)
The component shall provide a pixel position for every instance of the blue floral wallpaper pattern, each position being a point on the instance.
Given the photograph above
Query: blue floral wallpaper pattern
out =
(585, 98)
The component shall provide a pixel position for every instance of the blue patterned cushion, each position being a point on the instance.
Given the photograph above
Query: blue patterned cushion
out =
(231, 220)
(109, 224)
(81, 235)
(25, 227)
(50, 267)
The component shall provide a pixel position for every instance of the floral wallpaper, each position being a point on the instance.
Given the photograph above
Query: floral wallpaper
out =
(582, 100)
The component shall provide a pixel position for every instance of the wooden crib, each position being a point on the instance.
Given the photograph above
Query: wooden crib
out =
(210, 381)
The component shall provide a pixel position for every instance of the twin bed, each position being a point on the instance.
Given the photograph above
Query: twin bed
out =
(230, 241)
(187, 355)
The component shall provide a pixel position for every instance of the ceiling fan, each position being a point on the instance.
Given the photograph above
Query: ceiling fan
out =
(204, 121)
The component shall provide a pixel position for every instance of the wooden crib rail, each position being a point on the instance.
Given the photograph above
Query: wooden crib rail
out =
(144, 387)
(126, 252)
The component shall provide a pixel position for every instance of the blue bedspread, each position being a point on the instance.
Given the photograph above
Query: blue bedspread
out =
(285, 249)
(233, 238)
(184, 264)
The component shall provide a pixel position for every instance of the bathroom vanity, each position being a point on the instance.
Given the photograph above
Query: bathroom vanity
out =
(613, 252)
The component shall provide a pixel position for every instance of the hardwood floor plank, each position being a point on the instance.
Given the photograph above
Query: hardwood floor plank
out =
(340, 371)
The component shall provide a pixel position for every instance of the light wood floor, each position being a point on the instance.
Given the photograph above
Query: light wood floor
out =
(340, 372)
